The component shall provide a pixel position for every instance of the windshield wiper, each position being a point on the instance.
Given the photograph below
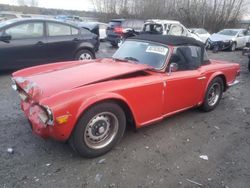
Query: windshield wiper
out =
(120, 59)
(132, 59)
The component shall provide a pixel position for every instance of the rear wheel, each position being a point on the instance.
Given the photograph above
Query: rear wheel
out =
(213, 94)
(84, 55)
(98, 130)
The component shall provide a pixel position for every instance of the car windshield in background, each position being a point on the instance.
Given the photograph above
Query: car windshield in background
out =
(114, 23)
(4, 23)
(228, 32)
(148, 53)
(153, 28)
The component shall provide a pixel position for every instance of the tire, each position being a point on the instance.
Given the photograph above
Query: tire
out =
(84, 55)
(104, 121)
(213, 94)
(233, 47)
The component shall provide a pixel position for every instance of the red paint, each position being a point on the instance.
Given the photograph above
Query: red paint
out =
(72, 87)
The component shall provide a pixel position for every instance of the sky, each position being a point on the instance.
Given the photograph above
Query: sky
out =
(80, 5)
(58, 4)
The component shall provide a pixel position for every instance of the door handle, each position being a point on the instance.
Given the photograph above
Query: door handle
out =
(202, 78)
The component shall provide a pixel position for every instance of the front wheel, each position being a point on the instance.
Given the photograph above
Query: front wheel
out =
(213, 94)
(98, 130)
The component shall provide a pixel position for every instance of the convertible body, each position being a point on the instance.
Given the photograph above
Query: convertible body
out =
(55, 96)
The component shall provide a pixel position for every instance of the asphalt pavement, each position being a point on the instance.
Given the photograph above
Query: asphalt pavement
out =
(190, 149)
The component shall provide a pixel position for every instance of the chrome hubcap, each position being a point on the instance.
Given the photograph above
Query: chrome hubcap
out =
(101, 130)
(85, 56)
(214, 94)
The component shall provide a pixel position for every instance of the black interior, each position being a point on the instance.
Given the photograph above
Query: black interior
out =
(184, 59)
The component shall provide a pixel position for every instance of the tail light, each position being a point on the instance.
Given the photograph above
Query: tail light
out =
(118, 30)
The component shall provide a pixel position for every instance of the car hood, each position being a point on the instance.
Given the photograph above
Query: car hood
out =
(219, 37)
(62, 78)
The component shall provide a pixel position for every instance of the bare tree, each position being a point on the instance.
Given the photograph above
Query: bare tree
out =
(32, 3)
(211, 14)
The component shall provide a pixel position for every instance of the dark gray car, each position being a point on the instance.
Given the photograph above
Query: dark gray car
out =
(116, 28)
(29, 42)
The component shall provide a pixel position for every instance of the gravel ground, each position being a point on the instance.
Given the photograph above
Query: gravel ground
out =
(166, 154)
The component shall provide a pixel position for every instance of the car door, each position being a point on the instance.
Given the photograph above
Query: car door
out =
(62, 40)
(27, 46)
(184, 88)
(241, 39)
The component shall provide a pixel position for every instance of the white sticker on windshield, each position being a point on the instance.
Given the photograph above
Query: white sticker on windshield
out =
(157, 49)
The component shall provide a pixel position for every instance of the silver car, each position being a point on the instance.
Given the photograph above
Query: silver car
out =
(228, 39)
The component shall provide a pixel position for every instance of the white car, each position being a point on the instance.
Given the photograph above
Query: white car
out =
(202, 33)
(228, 39)
(167, 27)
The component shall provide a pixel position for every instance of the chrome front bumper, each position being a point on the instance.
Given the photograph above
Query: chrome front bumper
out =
(235, 82)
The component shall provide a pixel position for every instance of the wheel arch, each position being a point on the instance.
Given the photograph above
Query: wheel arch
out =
(122, 102)
(222, 76)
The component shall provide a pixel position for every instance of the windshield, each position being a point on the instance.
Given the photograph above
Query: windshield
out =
(228, 32)
(153, 28)
(4, 23)
(148, 53)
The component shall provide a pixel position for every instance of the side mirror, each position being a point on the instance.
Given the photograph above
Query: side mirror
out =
(5, 38)
(173, 67)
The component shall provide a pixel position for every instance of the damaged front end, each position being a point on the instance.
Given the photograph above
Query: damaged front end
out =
(29, 93)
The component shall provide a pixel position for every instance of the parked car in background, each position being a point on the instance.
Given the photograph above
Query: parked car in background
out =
(246, 51)
(150, 77)
(29, 42)
(228, 39)
(167, 27)
(98, 28)
(69, 19)
(249, 61)
(203, 34)
(6, 15)
(117, 27)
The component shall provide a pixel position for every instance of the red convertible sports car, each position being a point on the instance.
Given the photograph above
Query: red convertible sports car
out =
(150, 77)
